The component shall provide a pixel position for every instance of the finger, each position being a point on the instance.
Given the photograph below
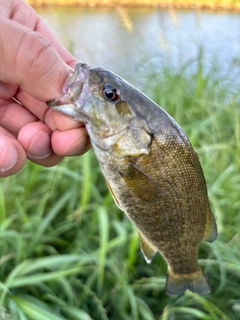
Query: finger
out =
(71, 138)
(35, 138)
(22, 13)
(7, 91)
(71, 142)
(12, 156)
(14, 116)
(64, 123)
(52, 118)
(41, 72)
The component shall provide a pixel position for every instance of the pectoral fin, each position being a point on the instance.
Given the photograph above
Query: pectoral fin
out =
(147, 248)
(210, 233)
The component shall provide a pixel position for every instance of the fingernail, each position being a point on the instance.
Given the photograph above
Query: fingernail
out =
(8, 158)
(40, 148)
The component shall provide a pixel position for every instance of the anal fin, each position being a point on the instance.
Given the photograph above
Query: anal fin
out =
(210, 233)
(147, 248)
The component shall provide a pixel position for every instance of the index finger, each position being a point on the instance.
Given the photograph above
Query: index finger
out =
(30, 61)
(20, 12)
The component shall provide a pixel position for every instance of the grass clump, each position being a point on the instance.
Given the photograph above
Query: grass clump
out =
(67, 252)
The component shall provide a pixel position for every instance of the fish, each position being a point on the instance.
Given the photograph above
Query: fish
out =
(150, 168)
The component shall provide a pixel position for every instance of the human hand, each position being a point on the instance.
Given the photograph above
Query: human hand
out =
(34, 66)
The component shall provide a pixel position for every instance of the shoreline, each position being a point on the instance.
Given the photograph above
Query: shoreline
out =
(222, 5)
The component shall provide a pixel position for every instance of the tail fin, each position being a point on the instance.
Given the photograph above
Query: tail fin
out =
(178, 283)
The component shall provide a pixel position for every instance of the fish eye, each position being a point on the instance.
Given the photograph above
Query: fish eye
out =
(110, 93)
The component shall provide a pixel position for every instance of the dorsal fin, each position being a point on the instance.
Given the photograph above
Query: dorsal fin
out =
(210, 233)
(147, 248)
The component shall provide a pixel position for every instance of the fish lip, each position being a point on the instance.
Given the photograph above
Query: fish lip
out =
(72, 88)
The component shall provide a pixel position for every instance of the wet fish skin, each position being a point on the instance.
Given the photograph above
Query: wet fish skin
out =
(151, 170)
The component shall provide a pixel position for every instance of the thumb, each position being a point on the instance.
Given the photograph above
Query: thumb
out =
(30, 61)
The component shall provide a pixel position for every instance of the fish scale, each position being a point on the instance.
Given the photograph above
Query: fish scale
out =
(151, 170)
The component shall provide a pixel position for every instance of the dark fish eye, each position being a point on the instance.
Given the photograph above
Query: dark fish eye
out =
(110, 93)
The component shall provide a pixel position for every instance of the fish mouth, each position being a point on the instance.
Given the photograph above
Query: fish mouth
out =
(75, 93)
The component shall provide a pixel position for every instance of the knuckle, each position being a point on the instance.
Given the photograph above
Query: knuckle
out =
(36, 53)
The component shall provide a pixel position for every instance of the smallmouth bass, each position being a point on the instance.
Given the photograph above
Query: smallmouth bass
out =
(150, 167)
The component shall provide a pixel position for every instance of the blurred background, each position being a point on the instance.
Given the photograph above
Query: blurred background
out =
(66, 251)
(132, 41)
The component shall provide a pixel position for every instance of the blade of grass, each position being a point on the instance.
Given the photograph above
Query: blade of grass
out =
(36, 312)
(104, 236)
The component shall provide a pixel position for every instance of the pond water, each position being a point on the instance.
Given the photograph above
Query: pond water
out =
(130, 41)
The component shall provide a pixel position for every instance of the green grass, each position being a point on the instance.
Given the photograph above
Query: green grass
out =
(67, 252)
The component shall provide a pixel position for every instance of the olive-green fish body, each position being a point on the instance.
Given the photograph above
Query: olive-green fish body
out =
(151, 170)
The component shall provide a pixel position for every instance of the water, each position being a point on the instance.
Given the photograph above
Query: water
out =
(131, 41)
